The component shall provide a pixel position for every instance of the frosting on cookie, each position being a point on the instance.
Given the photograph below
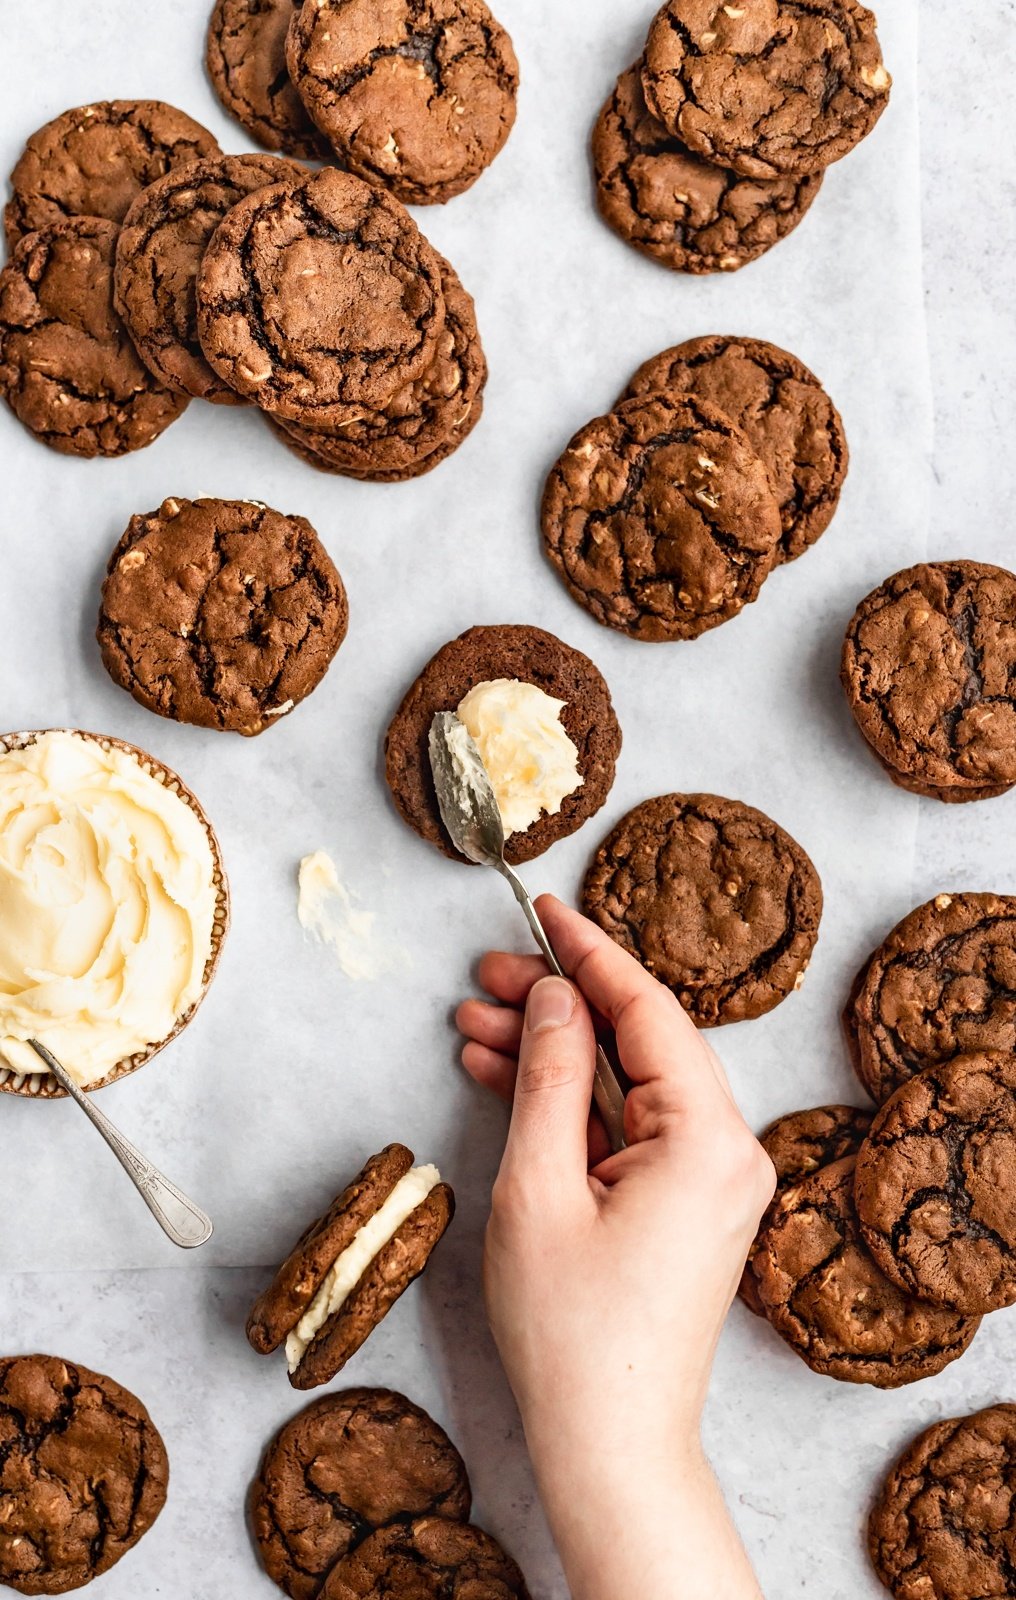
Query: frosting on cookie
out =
(107, 901)
(349, 1267)
(532, 764)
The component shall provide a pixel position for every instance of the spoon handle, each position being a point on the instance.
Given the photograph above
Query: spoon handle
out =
(607, 1090)
(179, 1218)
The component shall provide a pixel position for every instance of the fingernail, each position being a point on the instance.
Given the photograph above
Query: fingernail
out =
(551, 1004)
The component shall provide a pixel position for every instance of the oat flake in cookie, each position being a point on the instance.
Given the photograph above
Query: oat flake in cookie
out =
(347, 1464)
(416, 95)
(942, 1527)
(246, 60)
(320, 298)
(942, 984)
(661, 519)
(936, 1185)
(84, 1474)
(672, 205)
(798, 1144)
(767, 86)
(425, 422)
(222, 613)
(929, 669)
(714, 899)
(514, 678)
(787, 417)
(431, 1557)
(94, 160)
(68, 369)
(158, 254)
(348, 1269)
(826, 1297)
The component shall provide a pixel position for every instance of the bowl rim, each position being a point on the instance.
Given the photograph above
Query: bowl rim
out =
(41, 1085)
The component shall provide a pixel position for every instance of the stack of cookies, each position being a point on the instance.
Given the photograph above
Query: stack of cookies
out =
(722, 460)
(415, 96)
(713, 146)
(893, 1232)
(181, 273)
(364, 1494)
(68, 368)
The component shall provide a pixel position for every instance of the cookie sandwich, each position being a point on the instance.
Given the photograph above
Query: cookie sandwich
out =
(349, 1268)
(541, 716)
(113, 907)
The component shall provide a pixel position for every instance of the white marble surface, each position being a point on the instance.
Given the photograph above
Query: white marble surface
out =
(291, 1073)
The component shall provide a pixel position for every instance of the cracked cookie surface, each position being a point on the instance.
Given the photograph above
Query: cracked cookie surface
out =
(942, 1526)
(68, 369)
(430, 1558)
(798, 1144)
(83, 1474)
(828, 1299)
(785, 413)
(672, 205)
(929, 669)
(484, 655)
(661, 519)
(425, 422)
(278, 1311)
(942, 984)
(158, 254)
(936, 1185)
(767, 87)
(94, 161)
(416, 95)
(318, 299)
(713, 898)
(344, 1466)
(221, 613)
(245, 55)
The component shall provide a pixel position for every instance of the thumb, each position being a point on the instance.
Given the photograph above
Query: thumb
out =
(553, 1090)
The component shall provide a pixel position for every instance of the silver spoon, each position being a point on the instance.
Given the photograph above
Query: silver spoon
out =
(179, 1218)
(470, 813)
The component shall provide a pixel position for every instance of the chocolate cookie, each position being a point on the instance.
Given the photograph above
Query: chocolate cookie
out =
(484, 655)
(714, 899)
(786, 415)
(767, 87)
(425, 422)
(660, 518)
(799, 1144)
(929, 668)
(83, 1474)
(246, 60)
(305, 1304)
(942, 1527)
(94, 160)
(222, 613)
(936, 1185)
(68, 370)
(159, 252)
(348, 1464)
(685, 212)
(942, 984)
(416, 95)
(428, 1557)
(320, 298)
(824, 1295)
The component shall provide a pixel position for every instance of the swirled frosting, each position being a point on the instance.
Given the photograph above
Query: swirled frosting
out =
(107, 903)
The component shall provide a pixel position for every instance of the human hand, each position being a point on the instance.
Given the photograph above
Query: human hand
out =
(608, 1277)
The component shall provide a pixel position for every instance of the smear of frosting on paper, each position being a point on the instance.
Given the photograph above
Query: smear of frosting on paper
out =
(330, 913)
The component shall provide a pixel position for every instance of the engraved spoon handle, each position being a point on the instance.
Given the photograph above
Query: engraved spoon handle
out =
(179, 1218)
(607, 1091)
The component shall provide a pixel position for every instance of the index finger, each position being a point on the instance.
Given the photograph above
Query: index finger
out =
(653, 1030)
